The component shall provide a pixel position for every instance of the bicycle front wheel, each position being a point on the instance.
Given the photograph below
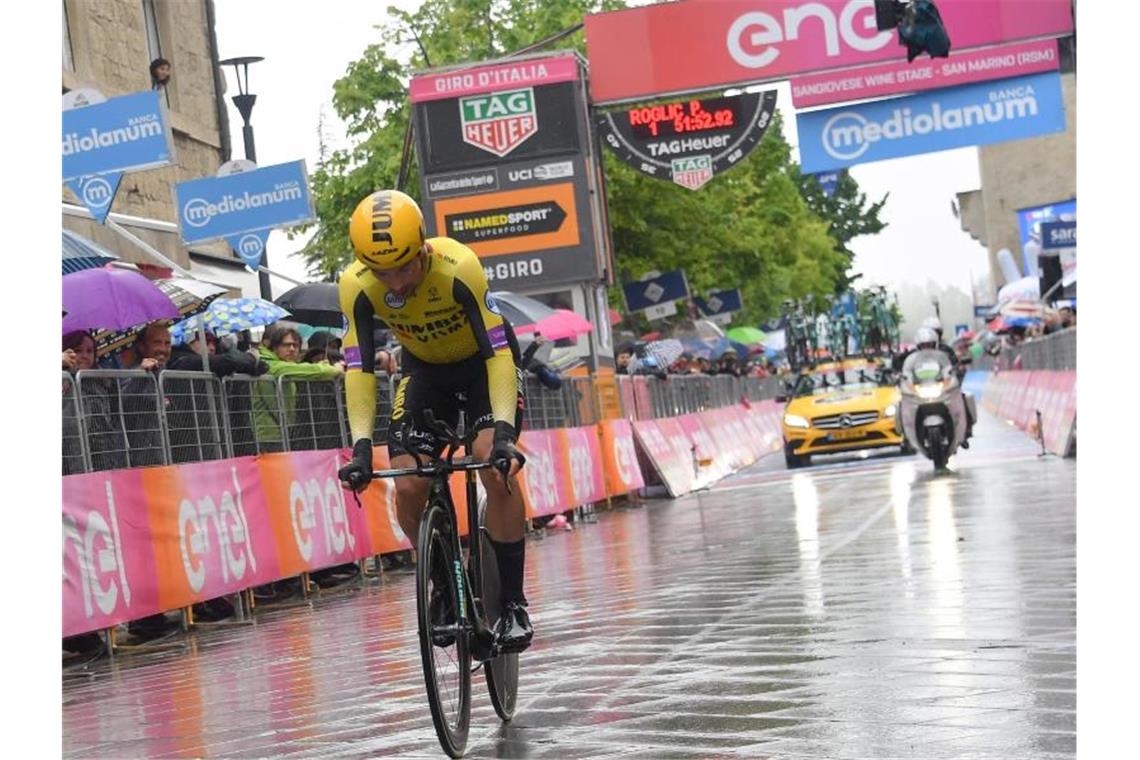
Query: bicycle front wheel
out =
(443, 641)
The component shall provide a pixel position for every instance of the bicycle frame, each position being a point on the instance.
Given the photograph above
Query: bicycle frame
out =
(470, 576)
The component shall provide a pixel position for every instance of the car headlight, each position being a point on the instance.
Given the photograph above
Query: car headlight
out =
(796, 421)
(890, 411)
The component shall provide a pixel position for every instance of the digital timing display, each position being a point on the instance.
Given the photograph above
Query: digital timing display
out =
(669, 119)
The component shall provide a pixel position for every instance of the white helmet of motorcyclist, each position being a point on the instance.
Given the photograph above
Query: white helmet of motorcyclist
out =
(935, 324)
(925, 338)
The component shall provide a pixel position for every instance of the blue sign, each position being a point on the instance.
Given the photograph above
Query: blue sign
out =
(983, 310)
(262, 199)
(249, 247)
(953, 117)
(127, 133)
(720, 302)
(1057, 235)
(663, 288)
(96, 193)
(828, 181)
(1029, 221)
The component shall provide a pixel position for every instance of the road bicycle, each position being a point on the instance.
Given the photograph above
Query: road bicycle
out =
(470, 591)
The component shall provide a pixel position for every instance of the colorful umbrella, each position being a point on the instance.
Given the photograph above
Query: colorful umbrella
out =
(228, 315)
(563, 323)
(112, 299)
(189, 297)
(79, 253)
(748, 336)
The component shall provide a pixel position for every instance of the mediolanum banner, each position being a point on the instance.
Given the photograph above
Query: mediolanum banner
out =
(683, 47)
(980, 114)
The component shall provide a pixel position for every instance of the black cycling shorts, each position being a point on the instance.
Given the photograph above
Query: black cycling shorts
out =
(436, 387)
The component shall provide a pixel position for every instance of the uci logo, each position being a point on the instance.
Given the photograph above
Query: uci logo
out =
(492, 305)
(394, 301)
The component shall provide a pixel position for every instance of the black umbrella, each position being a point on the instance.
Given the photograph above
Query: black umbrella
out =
(314, 303)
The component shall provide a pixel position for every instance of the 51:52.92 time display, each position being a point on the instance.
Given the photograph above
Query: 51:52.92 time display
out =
(670, 119)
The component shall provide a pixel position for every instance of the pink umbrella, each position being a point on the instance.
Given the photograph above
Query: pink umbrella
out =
(563, 323)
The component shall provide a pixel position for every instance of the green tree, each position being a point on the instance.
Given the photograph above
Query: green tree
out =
(748, 228)
(847, 211)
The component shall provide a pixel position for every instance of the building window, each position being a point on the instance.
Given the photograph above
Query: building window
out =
(68, 55)
(153, 44)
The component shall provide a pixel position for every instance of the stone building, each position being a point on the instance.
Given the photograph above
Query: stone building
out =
(1022, 174)
(108, 45)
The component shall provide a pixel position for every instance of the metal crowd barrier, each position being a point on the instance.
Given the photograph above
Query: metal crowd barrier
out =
(115, 419)
(195, 429)
(1054, 351)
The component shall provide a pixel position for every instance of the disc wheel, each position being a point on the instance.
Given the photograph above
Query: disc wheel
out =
(502, 672)
(447, 669)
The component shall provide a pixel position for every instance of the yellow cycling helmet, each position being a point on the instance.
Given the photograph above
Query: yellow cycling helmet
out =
(386, 229)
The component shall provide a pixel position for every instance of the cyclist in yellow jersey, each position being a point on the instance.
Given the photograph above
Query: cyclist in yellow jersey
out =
(433, 295)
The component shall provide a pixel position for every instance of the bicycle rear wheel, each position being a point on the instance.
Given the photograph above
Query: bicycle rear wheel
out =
(447, 669)
(502, 673)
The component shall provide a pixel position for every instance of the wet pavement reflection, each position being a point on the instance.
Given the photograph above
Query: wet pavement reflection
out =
(861, 608)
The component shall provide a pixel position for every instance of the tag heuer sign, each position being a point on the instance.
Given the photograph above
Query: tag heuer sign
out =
(691, 141)
(498, 122)
(693, 171)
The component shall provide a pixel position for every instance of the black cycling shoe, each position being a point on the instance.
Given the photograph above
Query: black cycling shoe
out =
(441, 612)
(513, 631)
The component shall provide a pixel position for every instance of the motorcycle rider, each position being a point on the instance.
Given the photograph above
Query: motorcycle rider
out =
(929, 338)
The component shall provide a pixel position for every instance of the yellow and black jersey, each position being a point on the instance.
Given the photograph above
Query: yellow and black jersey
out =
(450, 318)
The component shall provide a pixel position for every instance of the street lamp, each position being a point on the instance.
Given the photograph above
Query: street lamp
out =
(244, 101)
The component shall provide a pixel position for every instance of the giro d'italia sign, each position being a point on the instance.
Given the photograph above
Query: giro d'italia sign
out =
(508, 168)
(689, 142)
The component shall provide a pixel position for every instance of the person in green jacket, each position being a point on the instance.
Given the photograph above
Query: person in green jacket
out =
(281, 350)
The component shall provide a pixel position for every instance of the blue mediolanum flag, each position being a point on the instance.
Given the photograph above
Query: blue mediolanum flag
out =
(97, 193)
(953, 117)
(249, 247)
(127, 133)
(263, 199)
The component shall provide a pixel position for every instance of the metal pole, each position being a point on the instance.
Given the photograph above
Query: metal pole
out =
(251, 155)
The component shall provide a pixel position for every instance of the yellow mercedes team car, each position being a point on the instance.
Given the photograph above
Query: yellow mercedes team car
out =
(839, 406)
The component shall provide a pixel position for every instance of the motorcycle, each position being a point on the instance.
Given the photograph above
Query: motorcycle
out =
(932, 409)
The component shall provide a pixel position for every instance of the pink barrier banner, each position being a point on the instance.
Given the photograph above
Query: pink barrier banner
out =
(494, 78)
(667, 48)
(545, 479)
(711, 462)
(667, 447)
(137, 542)
(900, 77)
(619, 457)
(584, 452)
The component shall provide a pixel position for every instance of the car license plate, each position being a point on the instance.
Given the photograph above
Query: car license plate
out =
(846, 435)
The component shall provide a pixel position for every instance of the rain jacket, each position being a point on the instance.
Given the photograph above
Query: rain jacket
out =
(267, 420)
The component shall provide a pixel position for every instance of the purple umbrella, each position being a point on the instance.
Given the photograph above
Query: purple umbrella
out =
(112, 299)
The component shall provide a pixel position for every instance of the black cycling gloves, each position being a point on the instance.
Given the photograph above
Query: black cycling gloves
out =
(503, 448)
(358, 472)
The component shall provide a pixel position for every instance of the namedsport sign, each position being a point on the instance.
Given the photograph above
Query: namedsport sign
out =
(977, 114)
(219, 207)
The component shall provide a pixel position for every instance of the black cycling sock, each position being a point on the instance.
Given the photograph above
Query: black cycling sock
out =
(510, 558)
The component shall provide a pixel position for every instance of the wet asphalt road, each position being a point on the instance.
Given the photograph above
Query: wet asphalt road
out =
(860, 608)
